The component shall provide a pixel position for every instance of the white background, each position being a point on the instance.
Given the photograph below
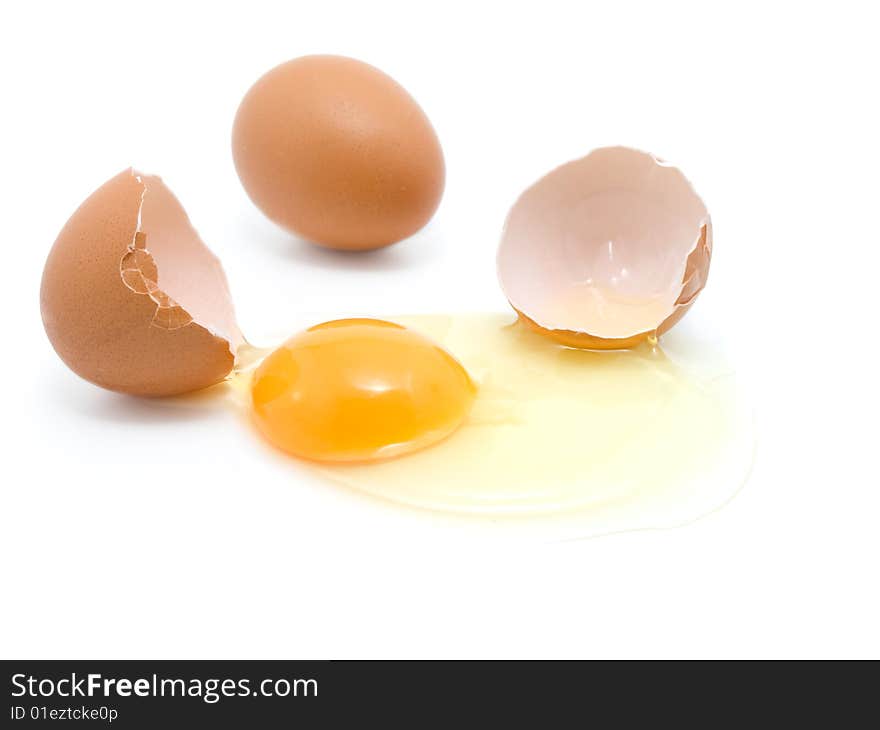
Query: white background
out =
(165, 529)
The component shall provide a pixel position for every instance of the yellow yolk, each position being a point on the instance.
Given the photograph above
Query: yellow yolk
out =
(359, 390)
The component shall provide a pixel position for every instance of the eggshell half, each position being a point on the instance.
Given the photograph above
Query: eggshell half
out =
(132, 300)
(336, 151)
(606, 251)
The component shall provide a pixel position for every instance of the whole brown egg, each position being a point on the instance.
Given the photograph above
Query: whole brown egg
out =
(337, 152)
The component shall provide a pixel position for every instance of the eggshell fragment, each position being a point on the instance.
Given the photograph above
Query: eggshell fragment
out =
(336, 151)
(131, 298)
(606, 250)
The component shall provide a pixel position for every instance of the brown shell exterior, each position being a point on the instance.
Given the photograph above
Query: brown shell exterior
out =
(102, 329)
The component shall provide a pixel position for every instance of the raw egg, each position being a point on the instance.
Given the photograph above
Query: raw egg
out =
(606, 251)
(359, 390)
(131, 298)
(565, 442)
(337, 152)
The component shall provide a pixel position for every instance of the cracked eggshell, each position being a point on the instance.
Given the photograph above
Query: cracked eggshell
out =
(132, 300)
(336, 151)
(606, 251)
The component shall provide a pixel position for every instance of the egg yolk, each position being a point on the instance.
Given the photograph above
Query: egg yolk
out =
(359, 390)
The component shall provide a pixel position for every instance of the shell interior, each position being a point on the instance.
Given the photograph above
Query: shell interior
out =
(168, 262)
(610, 245)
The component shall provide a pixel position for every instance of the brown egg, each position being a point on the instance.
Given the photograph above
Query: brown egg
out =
(132, 300)
(335, 151)
(606, 251)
